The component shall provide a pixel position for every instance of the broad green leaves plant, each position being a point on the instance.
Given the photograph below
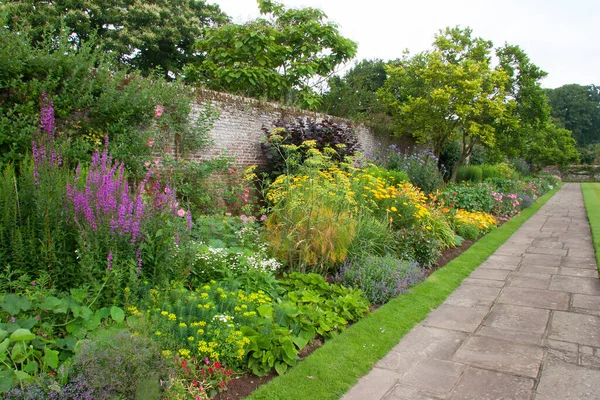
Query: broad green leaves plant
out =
(277, 57)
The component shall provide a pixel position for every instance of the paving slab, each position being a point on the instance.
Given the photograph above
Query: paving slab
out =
(575, 328)
(501, 355)
(374, 385)
(589, 273)
(564, 381)
(435, 376)
(494, 274)
(586, 301)
(575, 284)
(535, 298)
(518, 318)
(465, 319)
(532, 281)
(547, 251)
(542, 259)
(510, 334)
(405, 392)
(483, 282)
(481, 384)
(579, 262)
(538, 269)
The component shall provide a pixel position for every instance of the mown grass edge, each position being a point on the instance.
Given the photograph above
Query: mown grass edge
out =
(591, 198)
(333, 369)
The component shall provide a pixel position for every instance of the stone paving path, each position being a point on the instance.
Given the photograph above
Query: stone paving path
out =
(524, 325)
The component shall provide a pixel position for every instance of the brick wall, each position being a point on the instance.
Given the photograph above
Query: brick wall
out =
(238, 130)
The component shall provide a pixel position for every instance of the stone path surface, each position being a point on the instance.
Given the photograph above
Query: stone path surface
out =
(524, 325)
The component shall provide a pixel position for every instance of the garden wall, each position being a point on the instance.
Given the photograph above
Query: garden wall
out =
(238, 130)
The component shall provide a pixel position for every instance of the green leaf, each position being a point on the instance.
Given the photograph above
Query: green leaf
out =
(83, 312)
(4, 345)
(3, 334)
(22, 376)
(19, 353)
(266, 310)
(103, 312)
(6, 383)
(22, 335)
(79, 294)
(28, 323)
(56, 305)
(280, 368)
(13, 304)
(117, 314)
(50, 358)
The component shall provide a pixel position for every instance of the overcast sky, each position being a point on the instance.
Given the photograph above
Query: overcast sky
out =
(560, 36)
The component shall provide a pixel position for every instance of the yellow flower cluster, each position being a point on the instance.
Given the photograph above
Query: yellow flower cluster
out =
(483, 221)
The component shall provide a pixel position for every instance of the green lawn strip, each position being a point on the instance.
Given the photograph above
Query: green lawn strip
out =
(333, 369)
(591, 198)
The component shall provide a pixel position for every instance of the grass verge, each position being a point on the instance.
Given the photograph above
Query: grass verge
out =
(591, 198)
(333, 369)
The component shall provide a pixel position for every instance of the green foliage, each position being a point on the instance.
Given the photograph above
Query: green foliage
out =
(92, 100)
(552, 146)
(117, 363)
(373, 237)
(287, 146)
(421, 246)
(35, 237)
(489, 171)
(251, 330)
(421, 166)
(355, 95)
(448, 92)
(472, 173)
(311, 225)
(380, 278)
(42, 331)
(275, 57)
(468, 197)
(577, 109)
(141, 35)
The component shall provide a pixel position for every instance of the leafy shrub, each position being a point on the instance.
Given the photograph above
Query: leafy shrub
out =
(467, 197)
(251, 330)
(506, 205)
(373, 237)
(418, 245)
(440, 227)
(471, 225)
(524, 201)
(118, 363)
(324, 134)
(489, 171)
(521, 166)
(471, 173)
(380, 278)
(421, 166)
(197, 379)
(311, 225)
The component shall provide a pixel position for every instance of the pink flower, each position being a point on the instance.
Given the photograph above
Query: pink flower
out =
(151, 142)
(158, 112)
(263, 217)
(181, 212)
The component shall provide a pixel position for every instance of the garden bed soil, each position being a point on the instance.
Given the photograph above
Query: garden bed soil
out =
(244, 385)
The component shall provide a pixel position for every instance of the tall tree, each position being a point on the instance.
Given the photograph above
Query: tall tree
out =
(141, 34)
(279, 56)
(577, 107)
(446, 93)
(355, 94)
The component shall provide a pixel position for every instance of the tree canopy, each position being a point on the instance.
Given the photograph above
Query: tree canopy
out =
(140, 34)
(280, 56)
(448, 92)
(577, 108)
